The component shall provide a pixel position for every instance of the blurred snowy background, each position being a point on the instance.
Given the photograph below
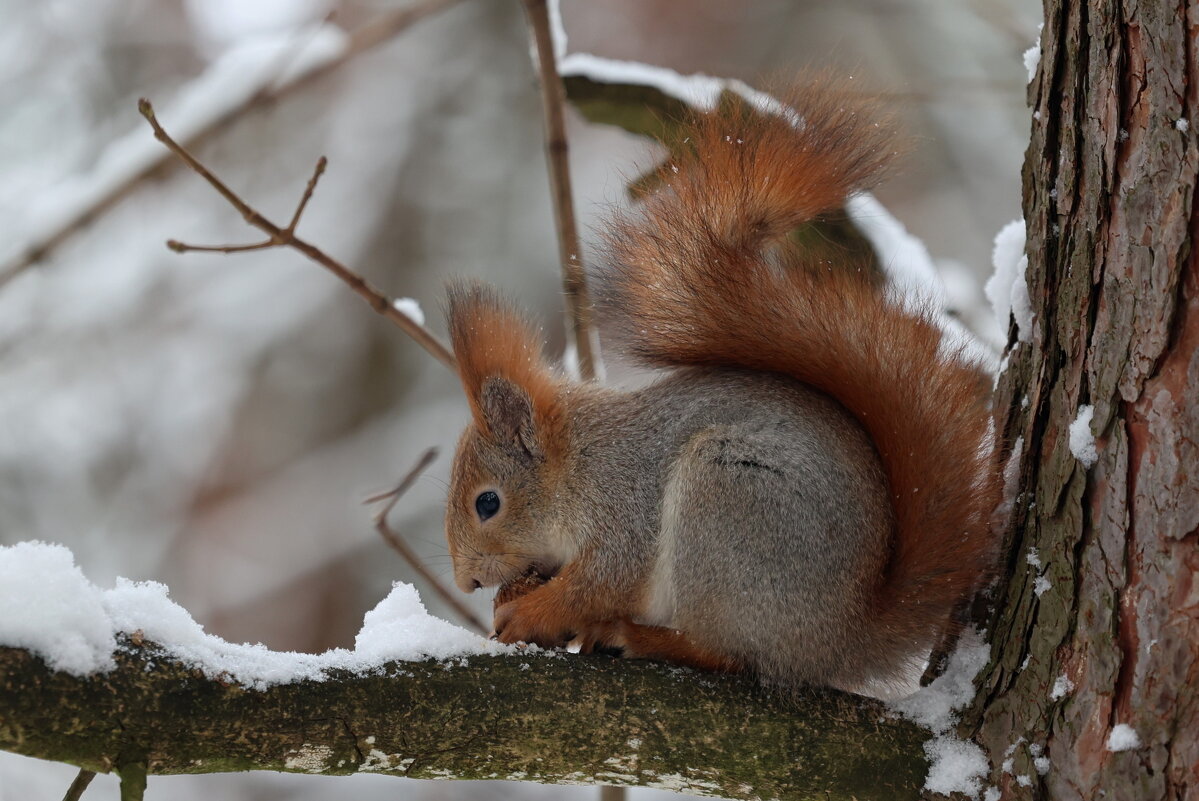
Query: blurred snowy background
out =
(213, 422)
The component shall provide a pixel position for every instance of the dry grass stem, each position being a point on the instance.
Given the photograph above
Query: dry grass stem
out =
(286, 237)
(391, 538)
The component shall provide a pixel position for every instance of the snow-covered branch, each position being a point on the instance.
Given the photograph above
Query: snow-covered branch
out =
(551, 718)
(124, 680)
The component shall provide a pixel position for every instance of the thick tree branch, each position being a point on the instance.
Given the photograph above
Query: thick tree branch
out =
(286, 237)
(537, 717)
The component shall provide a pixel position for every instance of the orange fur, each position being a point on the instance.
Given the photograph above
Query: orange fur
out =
(657, 643)
(695, 279)
(490, 339)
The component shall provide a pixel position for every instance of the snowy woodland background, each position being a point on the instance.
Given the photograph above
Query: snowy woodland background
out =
(214, 422)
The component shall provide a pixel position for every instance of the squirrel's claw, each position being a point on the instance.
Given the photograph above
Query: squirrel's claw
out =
(518, 621)
(603, 637)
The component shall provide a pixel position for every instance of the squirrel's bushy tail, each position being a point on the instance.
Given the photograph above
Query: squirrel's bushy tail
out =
(698, 277)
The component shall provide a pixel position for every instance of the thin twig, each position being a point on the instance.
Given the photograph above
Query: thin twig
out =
(180, 247)
(82, 780)
(553, 101)
(401, 547)
(286, 237)
(361, 40)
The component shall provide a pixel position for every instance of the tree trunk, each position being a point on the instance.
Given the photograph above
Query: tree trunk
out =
(1113, 635)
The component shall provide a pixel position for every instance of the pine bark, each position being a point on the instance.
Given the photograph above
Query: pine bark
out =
(1109, 198)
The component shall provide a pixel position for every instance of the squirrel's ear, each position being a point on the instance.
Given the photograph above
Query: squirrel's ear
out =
(508, 412)
(509, 385)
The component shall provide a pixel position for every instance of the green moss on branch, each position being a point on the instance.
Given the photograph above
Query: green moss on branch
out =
(552, 719)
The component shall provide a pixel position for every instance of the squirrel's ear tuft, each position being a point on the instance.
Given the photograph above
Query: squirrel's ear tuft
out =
(509, 385)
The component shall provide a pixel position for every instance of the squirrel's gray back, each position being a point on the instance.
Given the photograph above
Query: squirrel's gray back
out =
(761, 522)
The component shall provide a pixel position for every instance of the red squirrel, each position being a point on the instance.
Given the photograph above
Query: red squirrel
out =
(804, 495)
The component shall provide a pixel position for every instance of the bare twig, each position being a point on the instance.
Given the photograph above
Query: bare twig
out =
(553, 99)
(286, 237)
(401, 547)
(362, 40)
(82, 780)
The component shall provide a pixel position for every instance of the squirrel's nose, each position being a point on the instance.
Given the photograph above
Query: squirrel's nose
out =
(467, 583)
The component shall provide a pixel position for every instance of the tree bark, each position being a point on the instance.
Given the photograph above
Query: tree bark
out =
(1109, 189)
(544, 718)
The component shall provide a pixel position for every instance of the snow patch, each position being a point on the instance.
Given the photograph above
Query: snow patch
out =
(913, 276)
(935, 706)
(1082, 441)
(1062, 687)
(1032, 56)
(411, 309)
(697, 90)
(1007, 288)
(557, 29)
(956, 765)
(1123, 738)
(1182, 124)
(1041, 585)
(48, 607)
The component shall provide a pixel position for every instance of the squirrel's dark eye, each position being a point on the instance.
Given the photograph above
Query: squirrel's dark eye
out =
(487, 504)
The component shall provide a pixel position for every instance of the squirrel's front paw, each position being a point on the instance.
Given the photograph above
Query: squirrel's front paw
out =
(520, 621)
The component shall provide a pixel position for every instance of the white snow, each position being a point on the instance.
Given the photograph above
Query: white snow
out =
(1182, 124)
(1033, 558)
(956, 765)
(1007, 289)
(1062, 687)
(1082, 441)
(557, 29)
(1123, 738)
(1032, 56)
(992, 794)
(411, 309)
(1041, 585)
(48, 607)
(903, 257)
(696, 90)
(936, 705)
(913, 275)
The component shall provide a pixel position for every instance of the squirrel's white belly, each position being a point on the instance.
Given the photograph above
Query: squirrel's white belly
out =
(659, 594)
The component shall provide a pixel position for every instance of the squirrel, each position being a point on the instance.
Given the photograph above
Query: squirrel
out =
(804, 496)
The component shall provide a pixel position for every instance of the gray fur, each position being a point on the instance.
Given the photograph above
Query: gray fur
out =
(750, 509)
